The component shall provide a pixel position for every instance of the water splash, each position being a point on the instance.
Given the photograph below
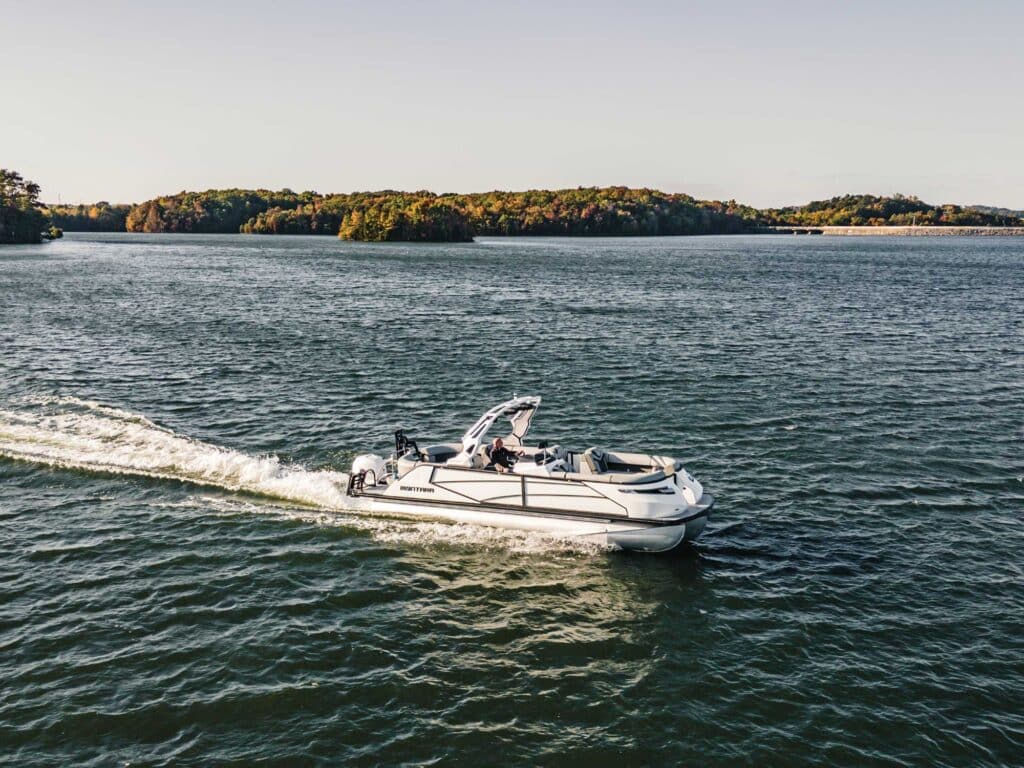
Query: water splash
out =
(84, 435)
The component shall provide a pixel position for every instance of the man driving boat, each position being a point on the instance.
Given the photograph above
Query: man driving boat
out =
(501, 457)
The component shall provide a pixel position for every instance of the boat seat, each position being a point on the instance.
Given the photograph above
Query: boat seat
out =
(439, 454)
(593, 462)
(482, 460)
(635, 479)
(619, 478)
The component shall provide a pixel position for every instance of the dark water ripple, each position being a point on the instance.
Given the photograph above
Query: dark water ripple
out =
(854, 404)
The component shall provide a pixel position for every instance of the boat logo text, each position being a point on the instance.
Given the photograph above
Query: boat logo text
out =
(416, 488)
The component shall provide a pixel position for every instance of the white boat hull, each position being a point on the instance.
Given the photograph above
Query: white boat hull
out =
(631, 535)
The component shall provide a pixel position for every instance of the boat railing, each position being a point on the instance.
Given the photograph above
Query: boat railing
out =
(356, 483)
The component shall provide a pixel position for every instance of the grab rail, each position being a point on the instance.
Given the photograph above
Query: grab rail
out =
(356, 483)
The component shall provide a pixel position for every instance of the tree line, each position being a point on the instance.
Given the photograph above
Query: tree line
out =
(95, 217)
(898, 210)
(391, 215)
(586, 211)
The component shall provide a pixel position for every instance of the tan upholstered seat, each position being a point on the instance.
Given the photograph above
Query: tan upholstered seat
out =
(592, 462)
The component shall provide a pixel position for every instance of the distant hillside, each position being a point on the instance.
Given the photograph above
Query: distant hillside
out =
(869, 210)
(410, 216)
(997, 211)
(391, 215)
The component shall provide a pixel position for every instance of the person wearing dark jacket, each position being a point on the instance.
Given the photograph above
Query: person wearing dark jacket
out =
(501, 457)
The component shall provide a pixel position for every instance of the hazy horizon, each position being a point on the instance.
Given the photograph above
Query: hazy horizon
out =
(768, 106)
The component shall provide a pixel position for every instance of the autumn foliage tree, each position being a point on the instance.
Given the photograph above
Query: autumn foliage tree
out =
(406, 218)
(210, 212)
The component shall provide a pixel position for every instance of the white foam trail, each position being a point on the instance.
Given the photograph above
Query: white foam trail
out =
(80, 434)
(71, 433)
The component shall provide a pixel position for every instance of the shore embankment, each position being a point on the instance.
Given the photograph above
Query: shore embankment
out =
(903, 231)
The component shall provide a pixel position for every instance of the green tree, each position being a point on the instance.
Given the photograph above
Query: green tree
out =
(22, 219)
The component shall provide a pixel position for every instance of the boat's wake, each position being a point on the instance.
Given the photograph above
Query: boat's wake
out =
(69, 433)
(80, 434)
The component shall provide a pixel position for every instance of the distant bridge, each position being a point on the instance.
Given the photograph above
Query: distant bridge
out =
(796, 230)
(899, 231)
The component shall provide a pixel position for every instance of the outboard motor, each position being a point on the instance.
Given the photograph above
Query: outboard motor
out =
(688, 485)
(373, 467)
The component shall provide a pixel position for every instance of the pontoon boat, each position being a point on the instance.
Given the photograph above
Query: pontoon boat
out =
(632, 501)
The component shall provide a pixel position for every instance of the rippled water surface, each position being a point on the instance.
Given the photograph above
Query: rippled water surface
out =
(180, 583)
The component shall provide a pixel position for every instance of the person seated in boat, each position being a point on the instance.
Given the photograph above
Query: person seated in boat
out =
(501, 457)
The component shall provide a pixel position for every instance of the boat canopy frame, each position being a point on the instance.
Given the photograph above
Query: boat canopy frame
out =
(520, 412)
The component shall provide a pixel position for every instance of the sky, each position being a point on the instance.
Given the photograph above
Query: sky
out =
(766, 103)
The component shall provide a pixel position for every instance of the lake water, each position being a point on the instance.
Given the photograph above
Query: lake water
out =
(178, 585)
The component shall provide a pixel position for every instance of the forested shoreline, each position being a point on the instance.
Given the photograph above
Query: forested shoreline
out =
(391, 215)
(898, 210)
(94, 217)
